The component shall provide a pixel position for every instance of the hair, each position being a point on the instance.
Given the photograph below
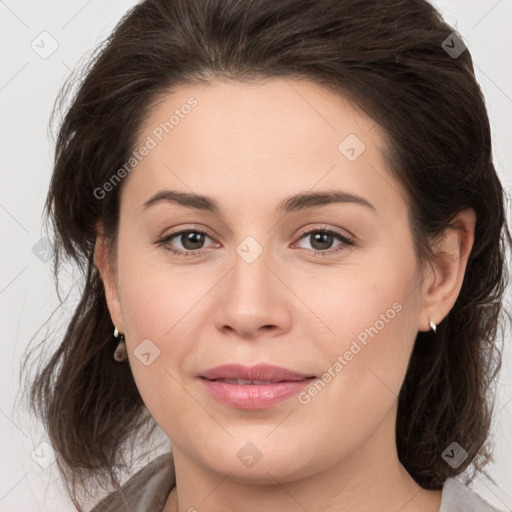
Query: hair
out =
(387, 58)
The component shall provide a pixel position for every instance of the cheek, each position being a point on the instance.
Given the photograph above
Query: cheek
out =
(155, 295)
(372, 297)
(164, 312)
(367, 314)
(359, 386)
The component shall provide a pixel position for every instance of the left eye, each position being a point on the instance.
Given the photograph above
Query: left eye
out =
(322, 240)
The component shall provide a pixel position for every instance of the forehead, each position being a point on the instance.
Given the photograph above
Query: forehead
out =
(261, 141)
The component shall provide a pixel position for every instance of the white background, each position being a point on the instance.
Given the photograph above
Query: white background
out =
(28, 87)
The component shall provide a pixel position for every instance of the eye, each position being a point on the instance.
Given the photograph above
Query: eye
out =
(190, 240)
(322, 241)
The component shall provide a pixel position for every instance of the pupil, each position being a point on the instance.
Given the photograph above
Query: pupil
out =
(192, 240)
(322, 241)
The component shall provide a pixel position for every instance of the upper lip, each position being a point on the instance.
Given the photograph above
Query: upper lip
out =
(258, 372)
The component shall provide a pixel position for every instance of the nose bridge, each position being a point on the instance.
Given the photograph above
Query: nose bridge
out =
(250, 282)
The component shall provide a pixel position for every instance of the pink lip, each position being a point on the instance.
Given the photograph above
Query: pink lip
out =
(253, 396)
(258, 372)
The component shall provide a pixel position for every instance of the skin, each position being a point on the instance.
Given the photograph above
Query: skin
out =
(248, 147)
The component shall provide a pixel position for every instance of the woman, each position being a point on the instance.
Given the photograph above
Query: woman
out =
(292, 235)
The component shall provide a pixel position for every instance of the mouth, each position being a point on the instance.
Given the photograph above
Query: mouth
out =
(245, 382)
(251, 388)
(260, 374)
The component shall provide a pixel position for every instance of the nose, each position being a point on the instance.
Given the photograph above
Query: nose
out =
(254, 301)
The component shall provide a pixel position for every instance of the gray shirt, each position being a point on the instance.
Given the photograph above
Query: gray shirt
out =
(148, 489)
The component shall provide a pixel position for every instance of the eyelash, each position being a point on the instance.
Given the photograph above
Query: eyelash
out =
(345, 241)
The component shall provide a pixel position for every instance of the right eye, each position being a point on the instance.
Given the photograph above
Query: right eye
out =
(190, 239)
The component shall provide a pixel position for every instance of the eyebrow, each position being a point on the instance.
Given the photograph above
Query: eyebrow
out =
(301, 201)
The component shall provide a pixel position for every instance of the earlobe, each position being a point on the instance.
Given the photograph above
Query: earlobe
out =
(451, 253)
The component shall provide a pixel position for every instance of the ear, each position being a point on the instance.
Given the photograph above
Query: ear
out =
(104, 262)
(442, 286)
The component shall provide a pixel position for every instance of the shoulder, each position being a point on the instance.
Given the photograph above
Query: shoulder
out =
(458, 497)
(145, 491)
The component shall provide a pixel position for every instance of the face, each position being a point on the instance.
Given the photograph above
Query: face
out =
(326, 286)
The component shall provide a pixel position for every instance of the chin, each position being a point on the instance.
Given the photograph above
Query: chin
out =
(250, 464)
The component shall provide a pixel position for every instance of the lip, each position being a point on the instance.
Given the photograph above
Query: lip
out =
(260, 371)
(286, 383)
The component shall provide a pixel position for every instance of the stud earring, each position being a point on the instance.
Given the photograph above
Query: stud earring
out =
(432, 325)
(120, 353)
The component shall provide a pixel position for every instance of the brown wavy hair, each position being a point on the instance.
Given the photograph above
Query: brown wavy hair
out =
(386, 56)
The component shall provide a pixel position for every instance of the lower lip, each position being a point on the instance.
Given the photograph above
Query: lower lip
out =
(252, 396)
